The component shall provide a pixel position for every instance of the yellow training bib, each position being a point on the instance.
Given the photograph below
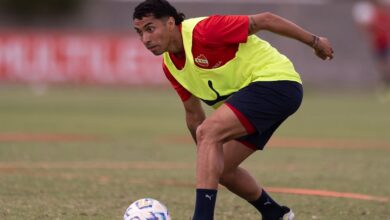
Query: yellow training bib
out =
(255, 60)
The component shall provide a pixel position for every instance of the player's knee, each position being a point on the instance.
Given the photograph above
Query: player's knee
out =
(226, 178)
(203, 133)
(208, 131)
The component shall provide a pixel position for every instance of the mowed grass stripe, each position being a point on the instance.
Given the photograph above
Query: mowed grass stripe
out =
(301, 142)
(94, 165)
(45, 137)
(105, 179)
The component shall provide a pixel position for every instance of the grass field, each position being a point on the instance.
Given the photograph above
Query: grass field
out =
(87, 153)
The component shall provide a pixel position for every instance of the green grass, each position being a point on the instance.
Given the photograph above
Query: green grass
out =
(129, 126)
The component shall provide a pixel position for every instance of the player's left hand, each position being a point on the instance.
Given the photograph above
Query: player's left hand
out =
(323, 49)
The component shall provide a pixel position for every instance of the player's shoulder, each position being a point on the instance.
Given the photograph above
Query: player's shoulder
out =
(217, 18)
(218, 21)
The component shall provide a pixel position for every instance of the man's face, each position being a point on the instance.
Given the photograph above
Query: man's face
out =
(155, 33)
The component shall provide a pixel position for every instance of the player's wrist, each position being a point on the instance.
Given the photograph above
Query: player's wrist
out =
(315, 41)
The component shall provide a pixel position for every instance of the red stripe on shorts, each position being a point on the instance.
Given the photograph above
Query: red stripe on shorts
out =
(244, 121)
(247, 144)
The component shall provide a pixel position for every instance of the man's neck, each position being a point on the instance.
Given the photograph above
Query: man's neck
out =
(176, 46)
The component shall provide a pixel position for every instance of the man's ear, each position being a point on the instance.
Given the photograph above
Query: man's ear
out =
(171, 23)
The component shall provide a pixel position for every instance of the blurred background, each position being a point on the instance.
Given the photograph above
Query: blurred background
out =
(88, 122)
(92, 41)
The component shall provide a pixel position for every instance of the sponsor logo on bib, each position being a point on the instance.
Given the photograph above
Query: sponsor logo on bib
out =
(202, 61)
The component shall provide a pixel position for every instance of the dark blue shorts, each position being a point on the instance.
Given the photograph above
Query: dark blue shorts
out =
(262, 107)
(382, 54)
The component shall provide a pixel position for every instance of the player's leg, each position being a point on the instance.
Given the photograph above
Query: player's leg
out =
(236, 179)
(386, 71)
(229, 155)
(264, 104)
(242, 183)
(220, 127)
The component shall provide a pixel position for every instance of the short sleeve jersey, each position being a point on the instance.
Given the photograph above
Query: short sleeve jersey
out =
(380, 27)
(215, 42)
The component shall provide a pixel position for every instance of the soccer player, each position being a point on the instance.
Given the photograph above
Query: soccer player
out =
(374, 17)
(219, 60)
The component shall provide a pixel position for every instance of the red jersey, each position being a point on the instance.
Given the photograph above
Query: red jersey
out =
(380, 28)
(215, 42)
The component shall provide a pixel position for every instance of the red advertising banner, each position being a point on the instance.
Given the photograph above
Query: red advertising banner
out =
(77, 58)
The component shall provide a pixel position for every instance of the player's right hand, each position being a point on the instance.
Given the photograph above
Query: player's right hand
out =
(323, 49)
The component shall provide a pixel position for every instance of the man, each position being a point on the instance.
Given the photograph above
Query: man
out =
(254, 88)
(374, 17)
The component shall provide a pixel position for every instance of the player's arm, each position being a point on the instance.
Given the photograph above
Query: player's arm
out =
(193, 108)
(276, 24)
(194, 114)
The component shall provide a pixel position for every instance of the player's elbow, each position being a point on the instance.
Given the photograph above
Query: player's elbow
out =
(267, 19)
(262, 21)
(194, 120)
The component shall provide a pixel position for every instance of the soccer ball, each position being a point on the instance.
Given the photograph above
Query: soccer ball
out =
(146, 209)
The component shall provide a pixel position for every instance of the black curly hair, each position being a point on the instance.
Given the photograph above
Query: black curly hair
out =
(159, 9)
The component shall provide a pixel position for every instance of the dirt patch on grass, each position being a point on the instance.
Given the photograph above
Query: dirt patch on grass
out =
(296, 191)
(289, 142)
(175, 183)
(27, 168)
(10, 166)
(25, 137)
(280, 142)
(327, 193)
(327, 143)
